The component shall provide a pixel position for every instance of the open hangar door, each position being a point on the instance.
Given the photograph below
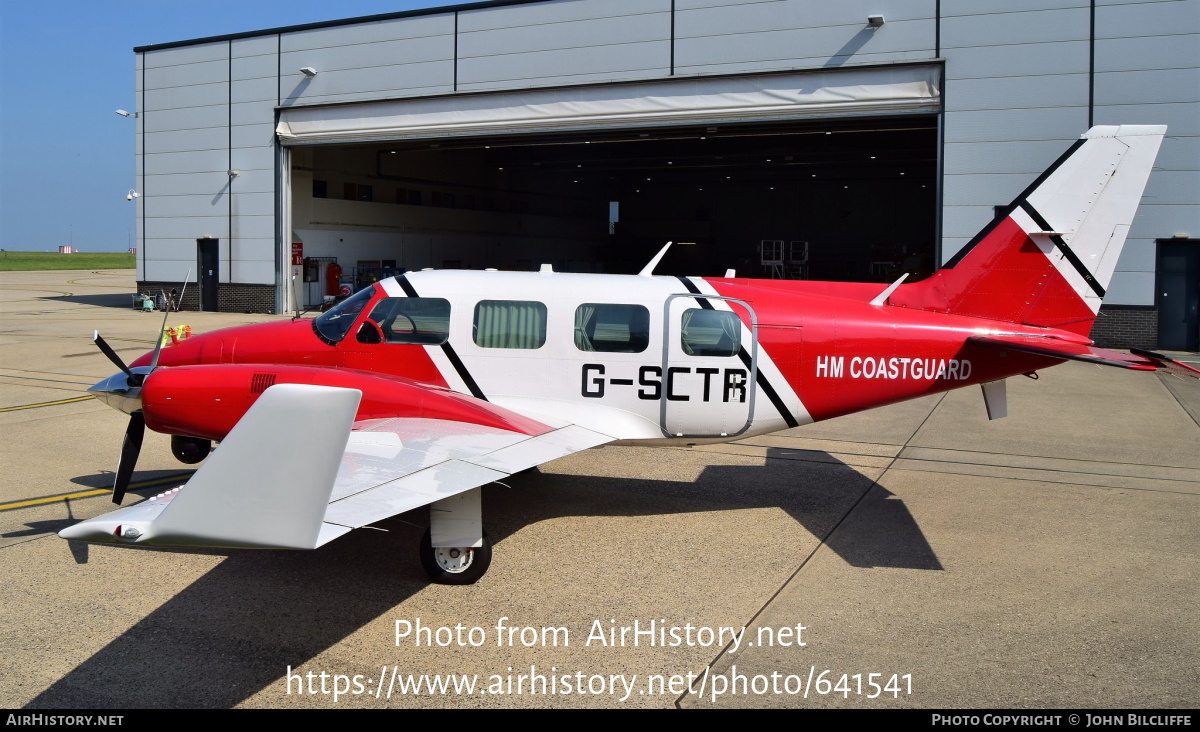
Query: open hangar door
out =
(833, 197)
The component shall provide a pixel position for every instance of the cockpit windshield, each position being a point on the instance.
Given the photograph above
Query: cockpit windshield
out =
(333, 325)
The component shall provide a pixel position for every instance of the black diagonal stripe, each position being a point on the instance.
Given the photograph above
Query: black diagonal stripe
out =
(1068, 253)
(759, 379)
(769, 390)
(447, 349)
(691, 287)
(958, 257)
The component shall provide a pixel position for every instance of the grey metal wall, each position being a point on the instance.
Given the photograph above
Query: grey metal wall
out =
(1148, 72)
(1022, 78)
(204, 111)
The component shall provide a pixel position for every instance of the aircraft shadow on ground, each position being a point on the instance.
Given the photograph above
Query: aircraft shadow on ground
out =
(123, 300)
(234, 631)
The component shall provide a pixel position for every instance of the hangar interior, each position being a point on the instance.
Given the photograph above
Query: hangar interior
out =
(841, 199)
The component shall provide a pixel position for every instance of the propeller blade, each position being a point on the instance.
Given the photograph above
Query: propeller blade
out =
(129, 454)
(112, 355)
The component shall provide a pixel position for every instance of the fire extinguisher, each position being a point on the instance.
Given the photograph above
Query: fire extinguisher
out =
(333, 275)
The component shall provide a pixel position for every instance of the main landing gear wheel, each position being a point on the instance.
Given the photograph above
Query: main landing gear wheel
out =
(455, 565)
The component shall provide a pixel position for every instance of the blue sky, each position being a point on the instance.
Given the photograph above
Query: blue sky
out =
(66, 159)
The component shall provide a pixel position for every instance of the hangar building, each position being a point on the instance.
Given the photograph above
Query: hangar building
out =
(784, 138)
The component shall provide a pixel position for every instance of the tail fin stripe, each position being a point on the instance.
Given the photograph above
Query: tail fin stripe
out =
(1068, 253)
(1016, 203)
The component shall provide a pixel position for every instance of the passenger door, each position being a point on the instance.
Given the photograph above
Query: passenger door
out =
(709, 358)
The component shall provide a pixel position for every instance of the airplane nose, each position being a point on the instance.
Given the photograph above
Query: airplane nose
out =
(118, 393)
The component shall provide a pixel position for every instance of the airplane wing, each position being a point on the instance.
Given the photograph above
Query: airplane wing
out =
(1138, 360)
(297, 472)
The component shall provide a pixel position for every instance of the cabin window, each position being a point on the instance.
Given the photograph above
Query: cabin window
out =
(413, 320)
(710, 333)
(510, 324)
(606, 328)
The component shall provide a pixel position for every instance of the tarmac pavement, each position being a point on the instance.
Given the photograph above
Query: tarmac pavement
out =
(1048, 559)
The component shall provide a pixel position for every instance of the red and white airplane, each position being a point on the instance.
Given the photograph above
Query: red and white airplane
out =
(424, 387)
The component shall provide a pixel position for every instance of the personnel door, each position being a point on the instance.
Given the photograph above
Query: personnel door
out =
(1179, 294)
(208, 261)
(708, 365)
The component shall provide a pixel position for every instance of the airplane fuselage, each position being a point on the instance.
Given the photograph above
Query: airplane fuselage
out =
(641, 358)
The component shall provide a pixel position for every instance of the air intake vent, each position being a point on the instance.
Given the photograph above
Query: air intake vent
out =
(261, 382)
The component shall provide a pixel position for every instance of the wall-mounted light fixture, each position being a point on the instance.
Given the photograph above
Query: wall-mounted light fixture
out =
(308, 71)
(124, 113)
(131, 195)
(234, 173)
(875, 21)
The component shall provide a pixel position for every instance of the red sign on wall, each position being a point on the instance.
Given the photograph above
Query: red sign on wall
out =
(297, 254)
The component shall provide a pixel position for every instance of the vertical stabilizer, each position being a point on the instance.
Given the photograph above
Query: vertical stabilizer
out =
(1048, 260)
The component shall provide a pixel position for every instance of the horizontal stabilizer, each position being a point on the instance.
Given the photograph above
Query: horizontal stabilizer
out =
(1168, 364)
(1056, 348)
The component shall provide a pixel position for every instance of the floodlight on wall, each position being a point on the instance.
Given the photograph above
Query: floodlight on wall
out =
(234, 173)
(875, 21)
(124, 113)
(131, 195)
(308, 71)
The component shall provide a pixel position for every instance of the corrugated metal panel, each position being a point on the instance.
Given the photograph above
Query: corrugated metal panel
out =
(1130, 288)
(629, 62)
(200, 161)
(993, 29)
(252, 113)
(404, 79)
(994, 125)
(1182, 120)
(990, 189)
(256, 90)
(208, 138)
(182, 184)
(1139, 255)
(1149, 52)
(986, 7)
(1033, 59)
(206, 72)
(186, 55)
(260, 180)
(1148, 87)
(1017, 93)
(203, 204)
(191, 118)
(1022, 156)
(563, 43)
(188, 97)
(809, 48)
(252, 47)
(254, 272)
(1167, 187)
(186, 228)
(1147, 19)
(367, 33)
(963, 222)
(707, 18)
(253, 226)
(253, 137)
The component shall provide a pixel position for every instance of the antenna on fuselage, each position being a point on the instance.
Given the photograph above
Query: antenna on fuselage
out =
(648, 270)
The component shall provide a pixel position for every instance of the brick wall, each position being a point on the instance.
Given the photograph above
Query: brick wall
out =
(1126, 326)
(231, 297)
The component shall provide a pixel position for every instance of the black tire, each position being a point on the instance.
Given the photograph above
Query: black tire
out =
(445, 568)
(190, 450)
